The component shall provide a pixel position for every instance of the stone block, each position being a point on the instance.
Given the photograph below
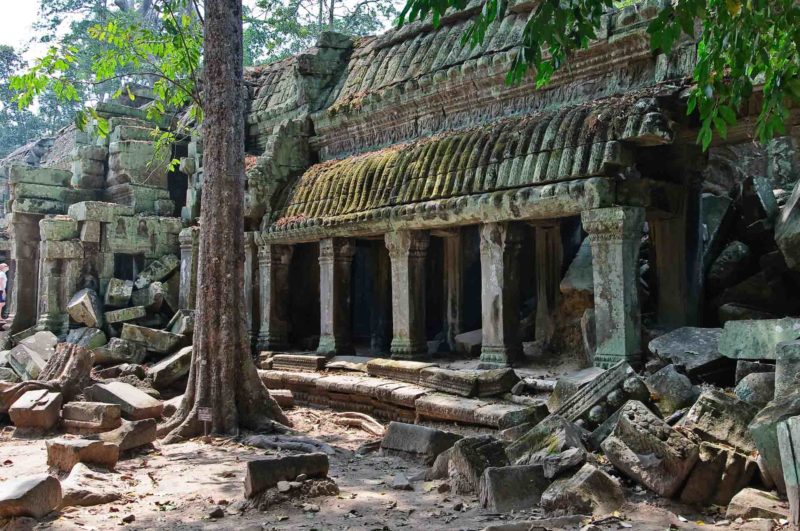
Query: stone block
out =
(131, 434)
(470, 457)
(404, 371)
(649, 451)
(85, 487)
(569, 384)
(182, 323)
(171, 368)
(757, 388)
(787, 369)
(63, 454)
(58, 228)
(579, 278)
(787, 229)
(764, 431)
(728, 470)
(90, 232)
(746, 367)
(157, 270)
(35, 496)
(757, 340)
(263, 474)
(419, 441)
(469, 383)
(717, 215)
(21, 173)
(44, 342)
(84, 308)
(753, 503)
(151, 297)
(83, 418)
(551, 436)
(512, 488)
(120, 351)
(298, 362)
(670, 390)
(89, 338)
(789, 445)
(697, 350)
(27, 363)
(118, 292)
(469, 343)
(733, 265)
(124, 315)
(589, 491)
(37, 409)
(99, 211)
(7, 374)
(134, 403)
(721, 418)
(159, 341)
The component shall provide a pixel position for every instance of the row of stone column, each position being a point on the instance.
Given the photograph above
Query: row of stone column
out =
(614, 233)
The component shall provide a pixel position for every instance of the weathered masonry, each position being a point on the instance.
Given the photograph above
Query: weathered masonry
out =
(399, 194)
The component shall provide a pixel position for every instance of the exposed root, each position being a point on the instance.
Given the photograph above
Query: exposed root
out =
(359, 420)
(285, 442)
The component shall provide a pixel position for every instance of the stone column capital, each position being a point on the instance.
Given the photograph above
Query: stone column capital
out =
(616, 223)
(500, 236)
(403, 243)
(336, 249)
(269, 254)
(188, 236)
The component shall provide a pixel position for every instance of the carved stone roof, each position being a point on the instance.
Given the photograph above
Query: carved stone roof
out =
(587, 140)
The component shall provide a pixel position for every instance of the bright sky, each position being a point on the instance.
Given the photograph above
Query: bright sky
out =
(17, 21)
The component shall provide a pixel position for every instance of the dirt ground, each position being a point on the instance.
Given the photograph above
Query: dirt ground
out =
(177, 487)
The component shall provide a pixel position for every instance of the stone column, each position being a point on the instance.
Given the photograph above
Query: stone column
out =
(189, 239)
(59, 271)
(500, 245)
(453, 287)
(24, 230)
(381, 311)
(273, 268)
(250, 285)
(549, 255)
(335, 265)
(407, 251)
(615, 235)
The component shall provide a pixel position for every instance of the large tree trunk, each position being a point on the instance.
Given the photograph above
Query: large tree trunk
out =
(222, 376)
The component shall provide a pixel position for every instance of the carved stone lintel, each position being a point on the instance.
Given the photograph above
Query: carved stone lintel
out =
(407, 251)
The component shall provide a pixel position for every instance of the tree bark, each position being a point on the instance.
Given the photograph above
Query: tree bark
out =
(222, 376)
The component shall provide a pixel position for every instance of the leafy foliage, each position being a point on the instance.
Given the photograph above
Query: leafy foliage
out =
(742, 44)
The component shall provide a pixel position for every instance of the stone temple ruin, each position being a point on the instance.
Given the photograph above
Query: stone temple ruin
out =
(403, 203)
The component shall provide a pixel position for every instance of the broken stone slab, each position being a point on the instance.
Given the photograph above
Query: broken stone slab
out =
(82, 418)
(697, 350)
(182, 322)
(118, 292)
(131, 434)
(404, 371)
(419, 441)
(469, 383)
(757, 340)
(552, 435)
(27, 363)
(63, 454)
(721, 418)
(134, 403)
(159, 341)
(263, 474)
(124, 315)
(298, 362)
(728, 470)
(756, 389)
(733, 265)
(763, 291)
(556, 464)
(746, 367)
(470, 457)
(99, 211)
(512, 488)
(717, 216)
(35, 496)
(157, 270)
(151, 297)
(88, 338)
(787, 369)
(588, 491)
(37, 409)
(753, 503)
(731, 311)
(764, 431)
(569, 384)
(7, 374)
(120, 351)
(670, 390)
(171, 369)
(789, 445)
(84, 308)
(648, 450)
(787, 229)
(122, 370)
(85, 487)
(469, 343)
(505, 415)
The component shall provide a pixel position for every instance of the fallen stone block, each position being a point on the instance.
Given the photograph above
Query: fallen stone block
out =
(717, 217)
(419, 441)
(469, 343)
(789, 445)
(757, 340)
(35, 496)
(746, 367)
(787, 230)
(764, 431)
(553, 435)
(589, 491)
(120, 351)
(557, 464)
(263, 474)
(134, 403)
(159, 341)
(579, 279)
(125, 315)
(131, 434)
(283, 397)
(298, 362)
(151, 297)
(753, 503)
(88, 338)
(182, 322)
(568, 385)
(734, 264)
(721, 418)
(470, 457)
(118, 292)
(670, 390)
(84, 308)
(90, 417)
(728, 470)
(157, 270)
(64, 454)
(469, 383)
(27, 363)
(7, 374)
(787, 369)
(85, 487)
(122, 370)
(648, 450)
(756, 389)
(43, 342)
(512, 488)
(404, 371)
(171, 369)
(37, 409)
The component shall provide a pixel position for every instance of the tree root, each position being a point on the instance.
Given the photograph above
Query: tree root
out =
(360, 420)
(289, 442)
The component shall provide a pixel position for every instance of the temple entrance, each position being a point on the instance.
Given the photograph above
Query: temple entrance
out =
(304, 297)
(371, 298)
